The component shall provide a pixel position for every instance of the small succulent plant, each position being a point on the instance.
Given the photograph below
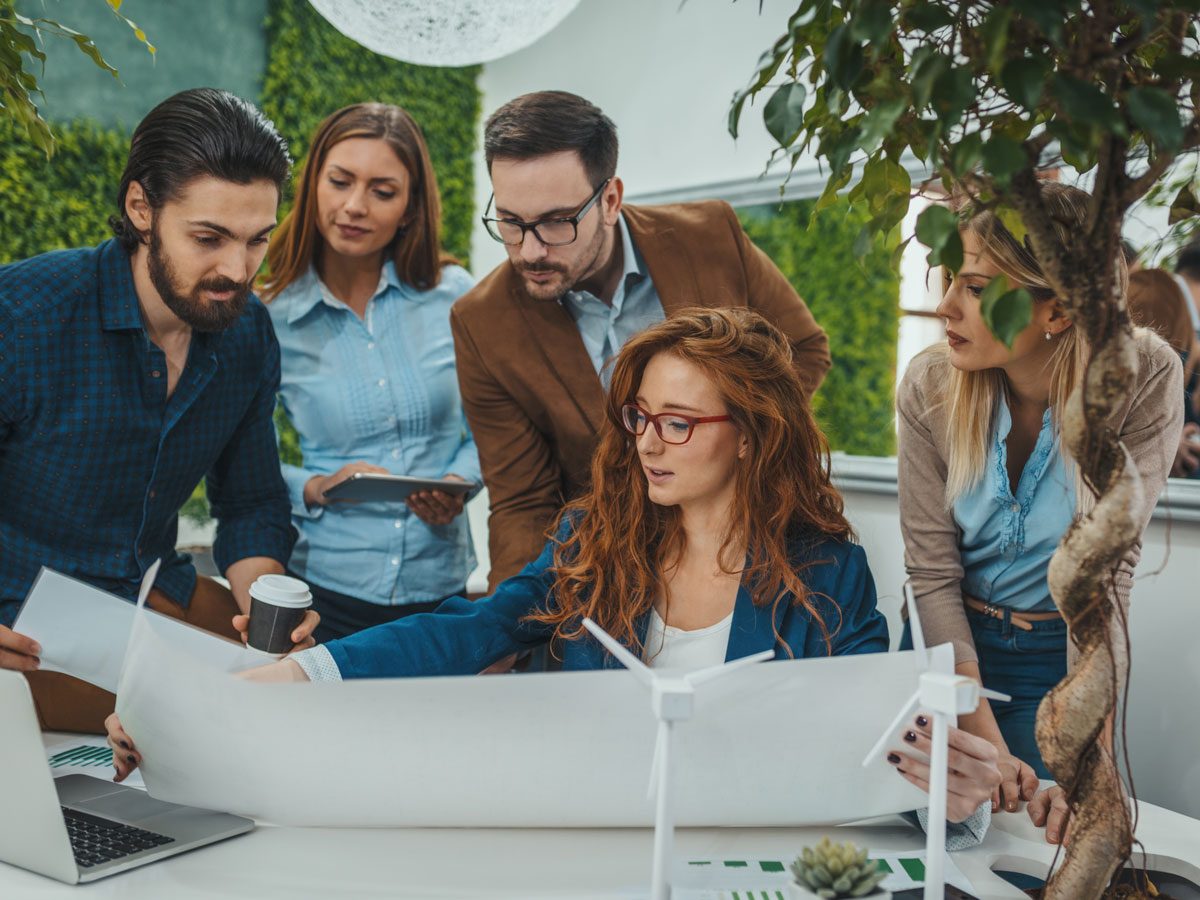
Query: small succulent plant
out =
(832, 870)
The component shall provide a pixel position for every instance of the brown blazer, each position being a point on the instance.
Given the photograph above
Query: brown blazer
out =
(533, 400)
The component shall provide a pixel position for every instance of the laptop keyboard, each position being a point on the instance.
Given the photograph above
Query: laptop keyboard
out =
(95, 840)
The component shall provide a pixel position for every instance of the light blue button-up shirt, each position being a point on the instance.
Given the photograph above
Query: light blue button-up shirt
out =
(1007, 540)
(382, 389)
(635, 306)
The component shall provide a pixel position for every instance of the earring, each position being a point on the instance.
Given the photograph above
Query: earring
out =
(1048, 335)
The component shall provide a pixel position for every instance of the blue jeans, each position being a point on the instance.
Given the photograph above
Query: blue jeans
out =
(1025, 664)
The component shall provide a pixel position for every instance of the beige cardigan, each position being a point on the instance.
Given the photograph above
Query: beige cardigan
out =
(1151, 421)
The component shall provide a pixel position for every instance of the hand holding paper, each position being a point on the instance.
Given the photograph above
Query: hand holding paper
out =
(18, 651)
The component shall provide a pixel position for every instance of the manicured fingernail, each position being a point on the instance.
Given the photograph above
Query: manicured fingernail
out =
(129, 757)
(1012, 806)
(910, 736)
(922, 721)
(1052, 835)
(123, 744)
(894, 758)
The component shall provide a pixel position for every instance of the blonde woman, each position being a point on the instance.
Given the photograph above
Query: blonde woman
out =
(986, 490)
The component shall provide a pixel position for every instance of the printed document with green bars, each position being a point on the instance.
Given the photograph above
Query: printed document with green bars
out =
(768, 879)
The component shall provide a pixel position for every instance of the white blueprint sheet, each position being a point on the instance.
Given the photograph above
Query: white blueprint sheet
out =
(780, 743)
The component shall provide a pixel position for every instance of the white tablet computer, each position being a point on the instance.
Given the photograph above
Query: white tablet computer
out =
(365, 487)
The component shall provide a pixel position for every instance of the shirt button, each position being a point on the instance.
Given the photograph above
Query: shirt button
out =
(371, 345)
(156, 373)
(1016, 507)
(395, 560)
(383, 382)
(395, 454)
(399, 523)
(153, 494)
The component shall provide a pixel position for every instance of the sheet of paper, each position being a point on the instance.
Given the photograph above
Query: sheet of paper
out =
(84, 631)
(87, 756)
(750, 879)
(771, 745)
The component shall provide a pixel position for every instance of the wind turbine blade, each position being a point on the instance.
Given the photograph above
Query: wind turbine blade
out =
(905, 711)
(914, 620)
(638, 668)
(994, 695)
(702, 675)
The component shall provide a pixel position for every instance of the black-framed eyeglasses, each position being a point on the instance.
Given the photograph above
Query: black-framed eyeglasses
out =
(672, 428)
(553, 232)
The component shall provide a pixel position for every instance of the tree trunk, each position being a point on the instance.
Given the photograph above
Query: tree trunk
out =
(1071, 719)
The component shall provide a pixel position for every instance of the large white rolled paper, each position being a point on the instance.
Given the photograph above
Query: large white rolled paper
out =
(781, 746)
(445, 33)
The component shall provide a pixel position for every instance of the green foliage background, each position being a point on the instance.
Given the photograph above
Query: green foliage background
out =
(856, 301)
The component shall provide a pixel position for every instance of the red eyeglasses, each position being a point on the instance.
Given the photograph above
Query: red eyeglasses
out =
(673, 428)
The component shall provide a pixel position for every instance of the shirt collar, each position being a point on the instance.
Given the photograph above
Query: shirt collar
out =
(310, 291)
(119, 310)
(633, 267)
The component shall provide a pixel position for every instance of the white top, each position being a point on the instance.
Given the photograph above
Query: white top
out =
(673, 648)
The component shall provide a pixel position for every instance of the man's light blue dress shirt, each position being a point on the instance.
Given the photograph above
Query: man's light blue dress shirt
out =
(382, 389)
(1007, 540)
(635, 306)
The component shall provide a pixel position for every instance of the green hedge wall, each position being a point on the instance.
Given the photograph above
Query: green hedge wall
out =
(856, 301)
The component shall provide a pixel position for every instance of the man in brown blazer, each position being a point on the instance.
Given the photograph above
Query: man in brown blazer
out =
(584, 274)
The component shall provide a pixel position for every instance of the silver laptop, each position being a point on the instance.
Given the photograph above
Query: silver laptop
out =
(78, 828)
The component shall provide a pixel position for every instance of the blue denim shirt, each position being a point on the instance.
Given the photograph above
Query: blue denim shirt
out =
(635, 306)
(1007, 541)
(96, 459)
(382, 389)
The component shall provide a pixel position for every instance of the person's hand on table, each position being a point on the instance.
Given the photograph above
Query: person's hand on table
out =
(1187, 456)
(1049, 808)
(973, 771)
(315, 487)
(437, 507)
(302, 637)
(18, 652)
(286, 671)
(125, 755)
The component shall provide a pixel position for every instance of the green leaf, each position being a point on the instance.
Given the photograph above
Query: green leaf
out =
(862, 243)
(1184, 206)
(1024, 80)
(735, 112)
(832, 186)
(837, 149)
(878, 123)
(784, 113)
(1047, 16)
(994, 32)
(927, 68)
(843, 57)
(966, 153)
(1085, 103)
(1003, 157)
(1155, 113)
(927, 17)
(1011, 220)
(953, 92)
(937, 229)
(1006, 313)
(872, 22)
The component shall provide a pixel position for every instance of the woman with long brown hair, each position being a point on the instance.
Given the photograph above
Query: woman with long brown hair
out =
(359, 293)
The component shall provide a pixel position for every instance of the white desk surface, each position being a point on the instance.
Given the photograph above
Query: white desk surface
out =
(536, 864)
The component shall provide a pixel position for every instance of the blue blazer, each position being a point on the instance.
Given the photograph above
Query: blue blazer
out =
(463, 637)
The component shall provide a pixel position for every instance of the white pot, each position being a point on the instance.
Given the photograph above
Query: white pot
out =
(800, 892)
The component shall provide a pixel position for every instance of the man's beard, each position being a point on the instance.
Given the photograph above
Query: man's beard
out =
(554, 290)
(208, 316)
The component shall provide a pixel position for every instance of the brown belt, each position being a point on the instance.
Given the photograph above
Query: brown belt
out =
(1021, 619)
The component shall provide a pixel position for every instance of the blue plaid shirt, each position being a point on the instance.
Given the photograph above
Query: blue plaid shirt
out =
(95, 460)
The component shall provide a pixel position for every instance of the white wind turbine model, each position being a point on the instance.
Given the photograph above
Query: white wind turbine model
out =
(945, 696)
(671, 697)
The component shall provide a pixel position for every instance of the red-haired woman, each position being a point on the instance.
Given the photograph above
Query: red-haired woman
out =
(711, 532)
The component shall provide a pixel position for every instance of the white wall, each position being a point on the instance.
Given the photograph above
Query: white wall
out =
(664, 74)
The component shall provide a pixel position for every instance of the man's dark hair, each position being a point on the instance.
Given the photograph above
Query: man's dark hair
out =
(550, 122)
(1187, 263)
(198, 132)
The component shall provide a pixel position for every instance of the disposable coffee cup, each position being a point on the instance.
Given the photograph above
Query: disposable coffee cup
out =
(277, 606)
